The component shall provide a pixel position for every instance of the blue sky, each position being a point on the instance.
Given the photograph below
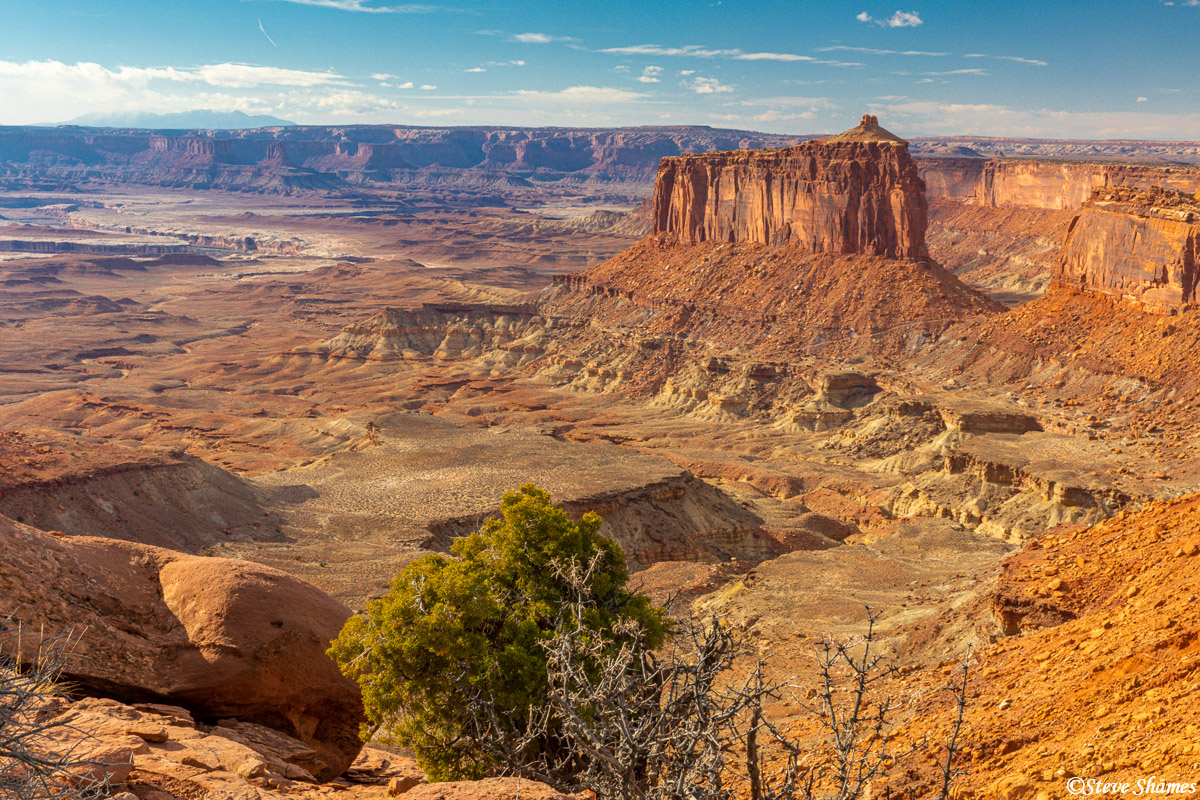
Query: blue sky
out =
(1054, 69)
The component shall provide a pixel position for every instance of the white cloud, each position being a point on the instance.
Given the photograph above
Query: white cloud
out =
(772, 57)
(86, 75)
(475, 69)
(361, 5)
(1144, 99)
(792, 102)
(687, 72)
(958, 72)
(699, 51)
(427, 87)
(901, 19)
(876, 51)
(349, 103)
(50, 91)
(650, 75)
(242, 76)
(701, 85)
(538, 38)
(1035, 62)
(581, 94)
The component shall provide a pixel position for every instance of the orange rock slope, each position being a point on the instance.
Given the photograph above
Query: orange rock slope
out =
(857, 192)
(1098, 677)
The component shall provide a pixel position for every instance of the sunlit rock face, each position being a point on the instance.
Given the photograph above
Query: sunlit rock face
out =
(854, 193)
(1134, 244)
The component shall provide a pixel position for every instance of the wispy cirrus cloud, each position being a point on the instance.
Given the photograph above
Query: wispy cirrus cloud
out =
(1018, 59)
(580, 94)
(876, 51)
(243, 76)
(901, 19)
(89, 75)
(365, 7)
(700, 51)
(539, 38)
(957, 72)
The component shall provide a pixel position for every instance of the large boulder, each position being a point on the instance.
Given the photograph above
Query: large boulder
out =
(221, 637)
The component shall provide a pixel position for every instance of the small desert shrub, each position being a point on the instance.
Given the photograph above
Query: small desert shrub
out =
(36, 761)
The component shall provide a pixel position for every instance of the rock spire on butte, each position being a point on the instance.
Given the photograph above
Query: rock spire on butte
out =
(854, 193)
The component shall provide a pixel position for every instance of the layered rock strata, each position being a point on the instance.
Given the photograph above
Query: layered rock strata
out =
(857, 192)
(1041, 184)
(1134, 244)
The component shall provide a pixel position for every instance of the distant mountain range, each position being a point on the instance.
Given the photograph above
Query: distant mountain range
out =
(200, 118)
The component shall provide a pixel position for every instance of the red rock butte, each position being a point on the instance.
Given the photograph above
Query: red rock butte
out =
(856, 192)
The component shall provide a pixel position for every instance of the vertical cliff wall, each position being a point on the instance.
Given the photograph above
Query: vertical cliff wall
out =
(858, 192)
(1044, 184)
(1134, 244)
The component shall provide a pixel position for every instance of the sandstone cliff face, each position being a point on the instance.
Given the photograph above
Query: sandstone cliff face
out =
(1138, 245)
(841, 195)
(1051, 185)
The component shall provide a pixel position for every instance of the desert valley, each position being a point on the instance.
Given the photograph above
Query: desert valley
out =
(248, 376)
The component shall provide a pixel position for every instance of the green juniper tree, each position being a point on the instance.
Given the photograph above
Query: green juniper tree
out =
(452, 630)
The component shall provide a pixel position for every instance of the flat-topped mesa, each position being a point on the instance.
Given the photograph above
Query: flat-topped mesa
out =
(856, 192)
(1134, 244)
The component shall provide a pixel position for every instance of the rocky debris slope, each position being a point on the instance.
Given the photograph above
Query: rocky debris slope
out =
(1007, 253)
(1096, 675)
(784, 298)
(153, 751)
(1103, 369)
(222, 638)
(857, 192)
(1135, 244)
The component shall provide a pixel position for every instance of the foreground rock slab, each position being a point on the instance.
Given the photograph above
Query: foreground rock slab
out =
(220, 637)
